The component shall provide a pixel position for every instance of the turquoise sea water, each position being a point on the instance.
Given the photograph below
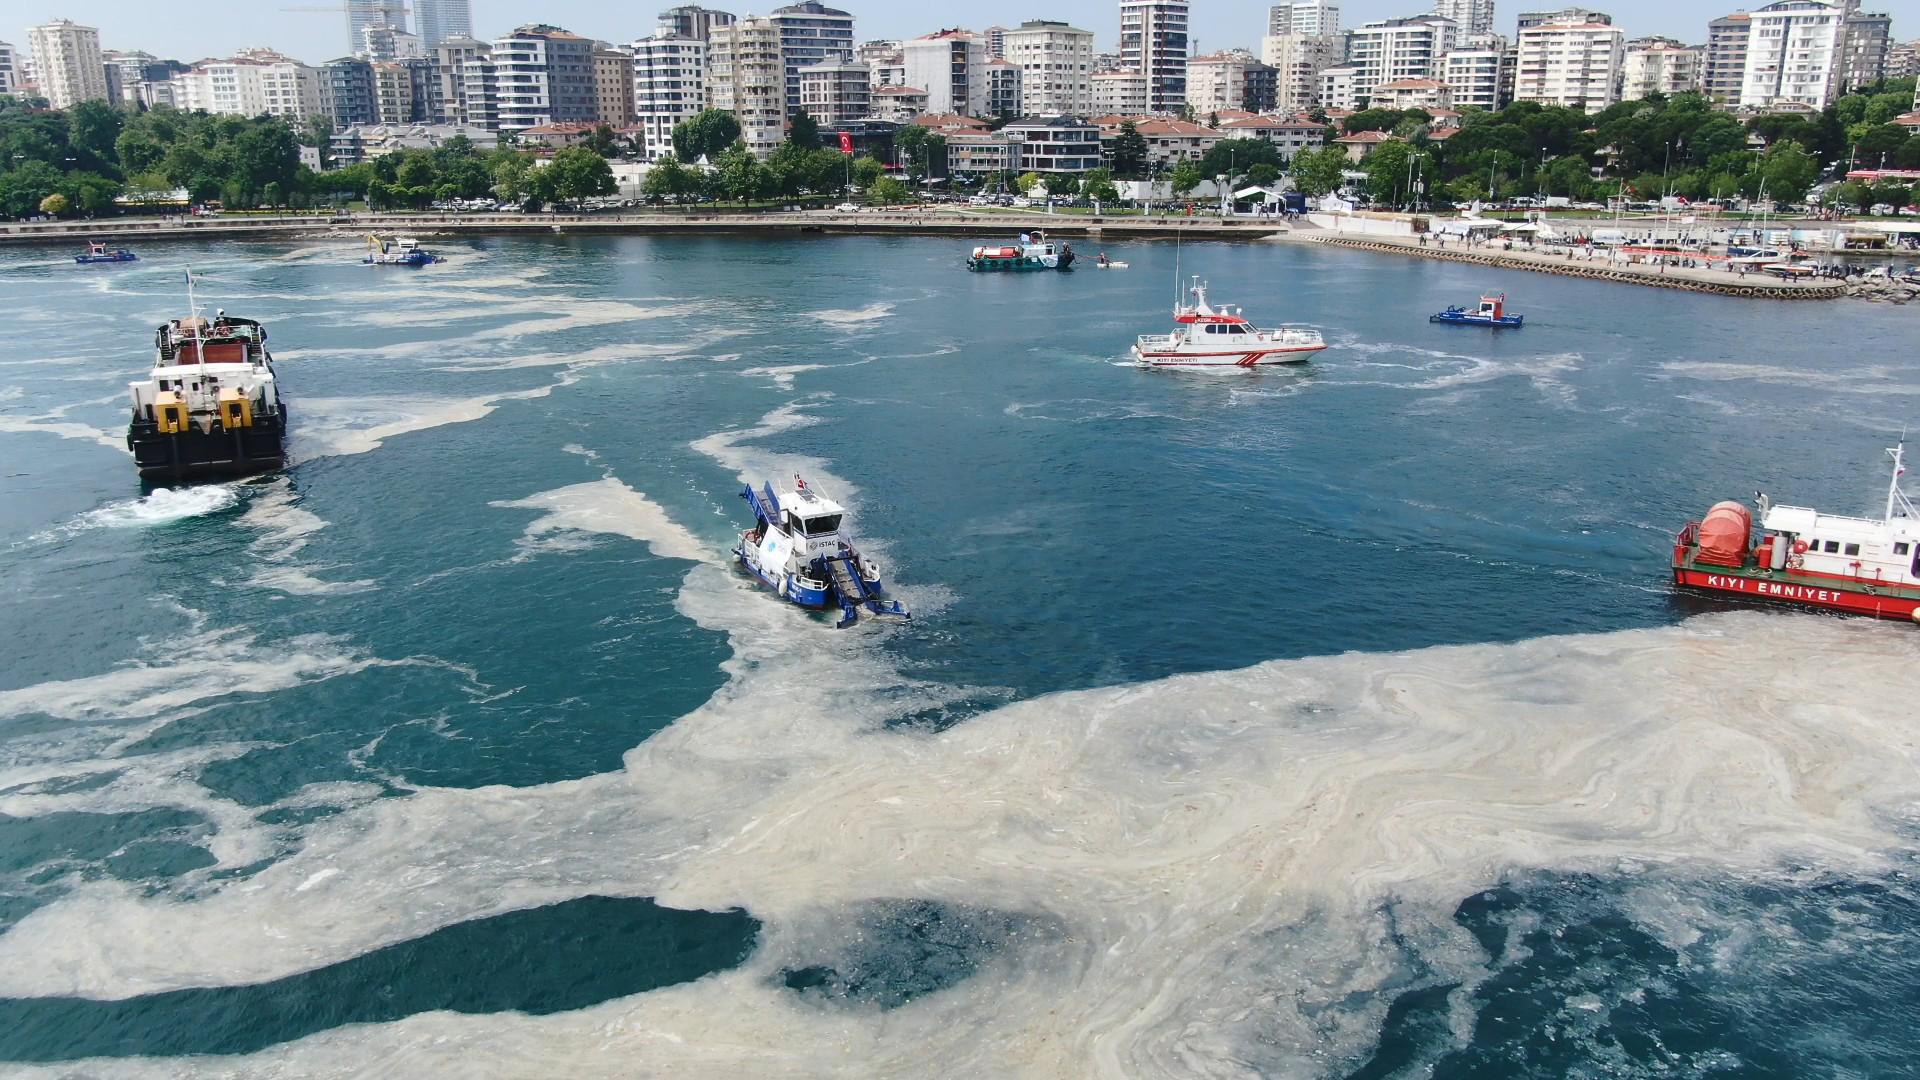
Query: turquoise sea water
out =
(1333, 720)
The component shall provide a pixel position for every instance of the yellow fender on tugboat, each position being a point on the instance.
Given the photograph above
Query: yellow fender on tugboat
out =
(169, 413)
(236, 409)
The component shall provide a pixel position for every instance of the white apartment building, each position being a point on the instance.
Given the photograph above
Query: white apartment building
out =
(450, 58)
(837, 92)
(669, 85)
(1003, 88)
(810, 33)
(1339, 87)
(1217, 82)
(257, 81)
(1119, 93)
(67, 64)
(1479, 75)
(1298, 60)
(9, 69)
(1468, 16)
(1660, 66)
(1573, 65)
(1313, 18)
(747, 77)
(1153, 41)
(951, 66)
(1394, 49)
(1795, 53)
(1056, 67)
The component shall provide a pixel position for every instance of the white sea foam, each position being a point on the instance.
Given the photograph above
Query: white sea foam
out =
(358, 425)
(285, 531)
(850, 317)
(783, 375)
(603, 506)
(162, 506)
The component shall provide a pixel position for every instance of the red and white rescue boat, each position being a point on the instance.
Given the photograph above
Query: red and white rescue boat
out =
(1209, 337)
(1868, 566)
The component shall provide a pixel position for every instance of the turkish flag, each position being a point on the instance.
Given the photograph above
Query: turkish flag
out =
(846, 142)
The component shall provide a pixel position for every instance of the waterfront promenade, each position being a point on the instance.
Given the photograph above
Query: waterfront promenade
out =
(944, 221)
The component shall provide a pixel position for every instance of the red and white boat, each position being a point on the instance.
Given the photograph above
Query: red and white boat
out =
(1868, 566)
(1222, 337)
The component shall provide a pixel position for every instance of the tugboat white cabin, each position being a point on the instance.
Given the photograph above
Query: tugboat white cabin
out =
(211, 406)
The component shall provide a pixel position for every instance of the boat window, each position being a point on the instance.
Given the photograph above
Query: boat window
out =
(1853, 549)
(819, 525)
(1916, 564)
(1833, 547)
(1900, 548)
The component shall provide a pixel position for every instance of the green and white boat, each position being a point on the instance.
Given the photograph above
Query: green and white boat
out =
(1033, 252)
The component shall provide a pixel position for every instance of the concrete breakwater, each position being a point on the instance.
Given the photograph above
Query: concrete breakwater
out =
(1689, 279)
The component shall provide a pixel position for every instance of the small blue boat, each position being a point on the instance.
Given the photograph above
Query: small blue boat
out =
(101, 253)
(1492, 312)
(797, 548)
(401, 251)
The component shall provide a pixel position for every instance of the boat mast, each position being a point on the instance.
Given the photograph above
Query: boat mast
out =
(1897, 499)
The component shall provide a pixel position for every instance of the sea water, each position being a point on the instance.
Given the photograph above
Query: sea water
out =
(1330, 720)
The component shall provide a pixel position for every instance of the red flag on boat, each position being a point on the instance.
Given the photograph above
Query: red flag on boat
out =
(799, 484)
(846, 142)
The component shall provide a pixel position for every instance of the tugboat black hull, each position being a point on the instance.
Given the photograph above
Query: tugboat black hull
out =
(206, 455)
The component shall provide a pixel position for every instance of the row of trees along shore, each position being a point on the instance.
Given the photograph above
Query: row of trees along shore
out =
(81, 160)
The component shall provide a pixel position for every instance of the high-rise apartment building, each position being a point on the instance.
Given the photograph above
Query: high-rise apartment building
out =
(692, 21)
(1530, 19)
(443, 20)
(1217, 82)
(67, 64)
(1153, 41)
(254, 82)
(1574, 65)
(612, 84)
(364, 13)
(669, 85)
(951, 66)
(541, 74)
(1314, 18)
(1794, 55)
(1726, 62)
(1869, 37)
(746, 76)
(382, 42)
(837, 92)
(448, 103)
(810, 33)
(1467, 16)
(1298, 60)
(1056, 67)
(1657, 65)
(9, 69)
(1119, 93)
(1003, 88)
(346, 91)
(125, 72)
(1479, 72)
(996, 39)
(1395, 49)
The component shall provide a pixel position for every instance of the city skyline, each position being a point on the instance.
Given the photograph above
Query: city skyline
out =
(1216, 24)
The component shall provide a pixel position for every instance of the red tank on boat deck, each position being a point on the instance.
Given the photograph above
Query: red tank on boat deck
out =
(1724, 534)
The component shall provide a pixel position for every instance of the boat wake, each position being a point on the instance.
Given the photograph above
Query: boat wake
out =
(162, 506)
(853, 317)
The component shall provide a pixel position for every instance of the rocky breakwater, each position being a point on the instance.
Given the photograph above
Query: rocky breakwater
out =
(1883, 289)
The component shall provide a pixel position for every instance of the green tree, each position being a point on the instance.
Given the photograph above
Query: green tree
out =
(668, 180)
(742, 176)
(1098, 184)
(1185, 177)
(602, 141)
(803, 131)
(1026, 182)
(1130, 153)
(867, 171)
(1233, 157)
(705, 135)
(1788, 171)
(1263, 174)
(54, 204)
(1317, 171)
(579, 173)
(887, 192)
(1392, 169)
(921, 152)
(22, 187)
(93, 127)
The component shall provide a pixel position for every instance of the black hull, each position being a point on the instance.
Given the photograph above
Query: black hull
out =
(198, 455)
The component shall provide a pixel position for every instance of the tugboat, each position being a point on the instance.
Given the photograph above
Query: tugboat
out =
(212, 407)
(1492, 312)
(1867, 566)
(400, 251)
(797, 549)
(101, 253)
(1209, 337)
(1034, 252)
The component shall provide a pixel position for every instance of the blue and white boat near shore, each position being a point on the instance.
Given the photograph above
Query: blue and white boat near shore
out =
(1492, 312)
(797, 548)
(101, 253)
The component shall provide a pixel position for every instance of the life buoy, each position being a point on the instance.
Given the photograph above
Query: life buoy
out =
(1795, 562)
(1799, 547)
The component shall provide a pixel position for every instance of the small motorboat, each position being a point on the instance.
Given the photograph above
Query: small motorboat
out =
(1491, 312)
(799, 548)
(101, 253)
(400, 251)
(1222, 337)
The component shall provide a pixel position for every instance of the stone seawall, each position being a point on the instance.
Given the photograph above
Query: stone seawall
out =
(1690, 280)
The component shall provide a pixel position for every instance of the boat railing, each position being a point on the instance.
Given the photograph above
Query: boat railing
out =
(1683, 544)
(1155, 341)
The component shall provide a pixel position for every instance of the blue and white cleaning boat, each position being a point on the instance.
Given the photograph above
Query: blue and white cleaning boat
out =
(101, 253)
(1492, 312)
(798, 549)
(401, 251)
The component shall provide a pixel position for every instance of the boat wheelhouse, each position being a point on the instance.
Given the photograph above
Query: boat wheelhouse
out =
(1868, 566)
(400, 251)
(211, 406)
(1206, 336)
(800, 549)
(1491, 312)
(1033, 252)
(101, 253)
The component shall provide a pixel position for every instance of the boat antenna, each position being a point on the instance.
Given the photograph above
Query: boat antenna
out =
(193, 320)
(1897, 499)
(1176, 267)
